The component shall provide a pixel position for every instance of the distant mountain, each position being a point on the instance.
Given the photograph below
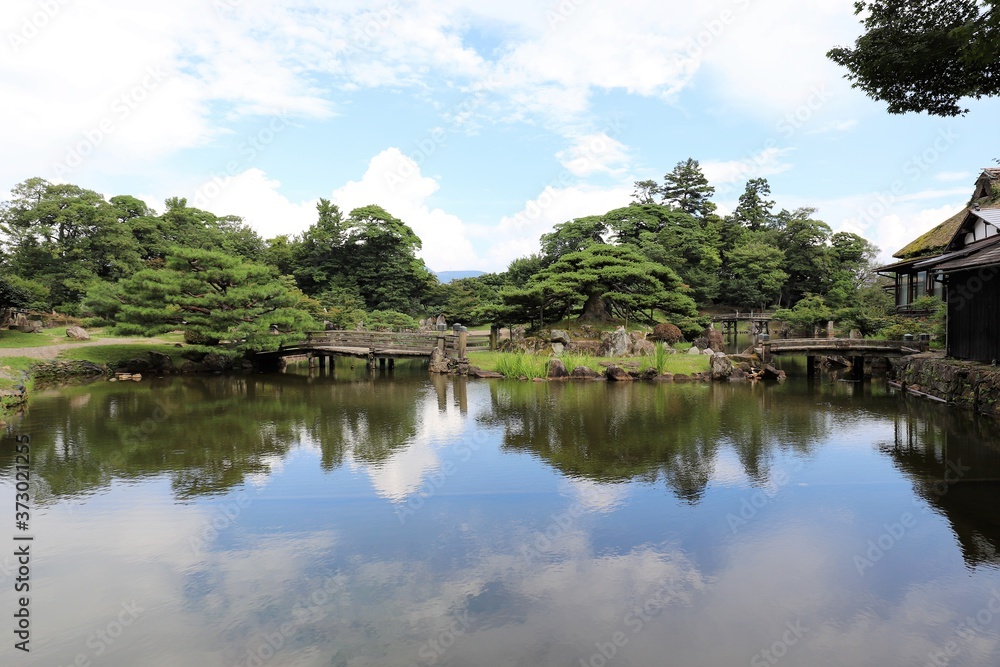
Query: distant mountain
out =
(448, 276)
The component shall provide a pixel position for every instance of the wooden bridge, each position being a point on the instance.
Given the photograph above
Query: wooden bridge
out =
(760, 321)
(377, 347)
(855, 349)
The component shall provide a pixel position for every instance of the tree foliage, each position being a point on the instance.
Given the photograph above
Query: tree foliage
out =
(925, 55)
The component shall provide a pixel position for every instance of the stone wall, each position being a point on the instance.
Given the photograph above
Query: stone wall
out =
(963, 383)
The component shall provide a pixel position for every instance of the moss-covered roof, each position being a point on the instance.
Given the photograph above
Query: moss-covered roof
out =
(934, 241)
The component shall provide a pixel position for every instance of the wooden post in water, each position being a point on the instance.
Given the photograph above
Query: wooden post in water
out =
(381, 363)
(312, 361)
(392, 364)
(494, 337)
(463, 339)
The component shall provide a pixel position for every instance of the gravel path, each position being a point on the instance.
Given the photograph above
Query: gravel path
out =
(52, 351)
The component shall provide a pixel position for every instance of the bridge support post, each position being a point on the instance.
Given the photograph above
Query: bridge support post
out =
(858, 369)
(811, 366)
(312, 362)
(765, 352)
(392, 364)
(371, 361)
(463, 339)
(381, 364)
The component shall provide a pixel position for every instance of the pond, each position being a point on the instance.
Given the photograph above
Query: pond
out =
(315, 520)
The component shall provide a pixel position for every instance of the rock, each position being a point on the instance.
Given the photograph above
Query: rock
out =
(772, 373)
(617, 374)
(480, 373)
(649, 374)
(588, 347)
(708, 351)
(441, 323)
(217, 362)
(616, 344)
(134, 366)
(702, 342)
(33, 326)
(681, 377)
(583, 373)
(722, 367)
(643, 348)
(77, 333)
(560, 336)
(715, 339)
(558, 348)
(693, 350)
(557, 370)
(328, 326)
(162, 363)
(737, 376)
(137, 377)
(666, 377)
(438, 362)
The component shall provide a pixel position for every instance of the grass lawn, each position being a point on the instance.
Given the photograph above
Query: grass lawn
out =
(513, 364)
(10, 369)
(57, 336)
(109, 354)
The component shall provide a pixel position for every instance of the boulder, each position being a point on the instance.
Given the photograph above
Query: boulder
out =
(681, 377)
(557, 370)
(162, 363)
(617, 374)
(722, 367)
(616, 344)
(328, 326)
(560, 336)
(438, 362)
(666, 377)
(33, 326)
(77, 333)
(737, 376)
(558, 348)
(217, 362)
(588, 347)
(643, 348)
(715, 340)
(708, 351)
(772, 373)
(702, 342)
(693, 350)
(583, 373)
(649, 374)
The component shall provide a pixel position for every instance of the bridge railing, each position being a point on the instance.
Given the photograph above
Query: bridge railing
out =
(386, 340)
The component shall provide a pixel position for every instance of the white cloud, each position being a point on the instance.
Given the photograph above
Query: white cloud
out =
(394, 182)
(951, 176)
(765, 163)
(257, 199)
(593, 154)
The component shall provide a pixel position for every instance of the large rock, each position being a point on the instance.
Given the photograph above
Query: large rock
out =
(480, 373)
(643, 348)
(557, 370)
(33, 326)
(715, 340)
(162, 363)
(77, 333)
(560, 336)
(438, 362)
(617, 374)
(558, 348)
(616, 344)
(693, 350)
(722, 367)
(217, 362)
(583, 373)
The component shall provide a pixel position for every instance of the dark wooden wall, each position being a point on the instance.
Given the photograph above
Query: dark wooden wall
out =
(974, 316)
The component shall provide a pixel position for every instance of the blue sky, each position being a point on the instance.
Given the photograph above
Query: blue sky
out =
(479, 124)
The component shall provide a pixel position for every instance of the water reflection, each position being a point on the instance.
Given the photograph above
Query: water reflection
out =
(349, 520)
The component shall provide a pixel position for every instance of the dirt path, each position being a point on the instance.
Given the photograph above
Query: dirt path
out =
(52, 351)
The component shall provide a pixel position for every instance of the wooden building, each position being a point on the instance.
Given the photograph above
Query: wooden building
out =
(910, 277)
(969, 269)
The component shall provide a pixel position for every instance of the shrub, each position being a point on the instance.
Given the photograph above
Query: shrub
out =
(389, 320)
(666, 332)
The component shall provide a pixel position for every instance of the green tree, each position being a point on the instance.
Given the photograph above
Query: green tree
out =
(687, 188)
(925, 55)
(381, 259)
(573, 236)
(754, 210)
(319, 256)
(604, 281)
(755, 277)
(808, 260)
(809, 312)
(213, 297)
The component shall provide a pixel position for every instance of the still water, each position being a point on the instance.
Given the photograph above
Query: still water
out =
(296, 520)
